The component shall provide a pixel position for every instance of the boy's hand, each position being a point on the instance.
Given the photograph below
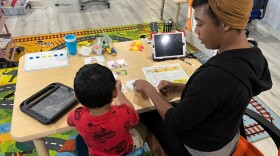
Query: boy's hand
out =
(118, 85)
(121, 97)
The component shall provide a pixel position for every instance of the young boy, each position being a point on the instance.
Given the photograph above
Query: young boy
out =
(105, 128)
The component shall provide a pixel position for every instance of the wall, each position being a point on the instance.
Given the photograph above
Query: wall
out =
(270, 23)
(272, 14)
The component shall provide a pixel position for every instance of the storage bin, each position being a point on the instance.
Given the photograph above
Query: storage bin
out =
(16, 10)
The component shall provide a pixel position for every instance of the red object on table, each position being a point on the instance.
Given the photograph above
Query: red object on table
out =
(13, 3)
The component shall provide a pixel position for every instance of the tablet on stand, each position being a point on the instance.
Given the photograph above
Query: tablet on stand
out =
(168, 45)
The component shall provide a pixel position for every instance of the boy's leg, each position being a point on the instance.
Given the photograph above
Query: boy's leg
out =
(154, 145)
(138, 134)
(168, 140)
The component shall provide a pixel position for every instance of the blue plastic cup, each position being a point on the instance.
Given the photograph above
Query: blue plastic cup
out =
(71, 44)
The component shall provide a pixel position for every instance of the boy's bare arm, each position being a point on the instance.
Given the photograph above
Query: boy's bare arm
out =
(123, 100)
(121, 97)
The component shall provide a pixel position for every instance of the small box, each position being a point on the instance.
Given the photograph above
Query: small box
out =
(16, 10)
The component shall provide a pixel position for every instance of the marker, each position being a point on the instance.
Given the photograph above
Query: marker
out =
(187, 62)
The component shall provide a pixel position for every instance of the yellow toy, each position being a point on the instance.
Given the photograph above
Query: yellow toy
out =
(111, 50)
(102, 44)
(136, 46)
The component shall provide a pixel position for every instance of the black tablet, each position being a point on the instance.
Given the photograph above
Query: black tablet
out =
(168, 45)
(49, 103)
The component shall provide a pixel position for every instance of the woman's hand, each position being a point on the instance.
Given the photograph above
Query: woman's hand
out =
(166, 87)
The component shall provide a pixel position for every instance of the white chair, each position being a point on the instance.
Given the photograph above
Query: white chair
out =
(179, 4)
(84, 2)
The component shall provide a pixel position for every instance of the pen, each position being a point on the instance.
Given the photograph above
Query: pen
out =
(187, 62)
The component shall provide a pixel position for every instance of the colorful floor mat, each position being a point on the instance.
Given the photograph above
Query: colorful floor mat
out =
(46, 42)
(55, 41)
(253, 130)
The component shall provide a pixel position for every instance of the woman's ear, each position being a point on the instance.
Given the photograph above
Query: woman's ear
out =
(225, 27)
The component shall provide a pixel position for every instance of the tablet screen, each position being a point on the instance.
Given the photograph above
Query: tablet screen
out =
(169, 45)
(54, 103)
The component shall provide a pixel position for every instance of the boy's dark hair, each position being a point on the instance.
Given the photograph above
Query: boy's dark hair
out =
(94, 85)
(208, 11)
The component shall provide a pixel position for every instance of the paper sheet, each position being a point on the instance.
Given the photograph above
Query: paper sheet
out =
(45, 60)
(123, 86)
(117, 64)
(119, 71)
(123, 89)
(94, 59)
(130, 84)
(172, 72)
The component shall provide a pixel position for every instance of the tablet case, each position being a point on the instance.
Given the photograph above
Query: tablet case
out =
(49, 103)
(161, 58)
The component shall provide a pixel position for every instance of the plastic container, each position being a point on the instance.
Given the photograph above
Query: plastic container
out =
(71, 44)
(16, 10)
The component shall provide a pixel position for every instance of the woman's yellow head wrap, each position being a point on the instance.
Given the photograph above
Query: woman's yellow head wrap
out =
(234, 13)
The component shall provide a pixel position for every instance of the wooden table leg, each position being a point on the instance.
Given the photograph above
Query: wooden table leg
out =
(41, 147)
(162, 7)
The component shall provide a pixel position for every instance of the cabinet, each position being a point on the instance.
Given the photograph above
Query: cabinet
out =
(7, 53)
